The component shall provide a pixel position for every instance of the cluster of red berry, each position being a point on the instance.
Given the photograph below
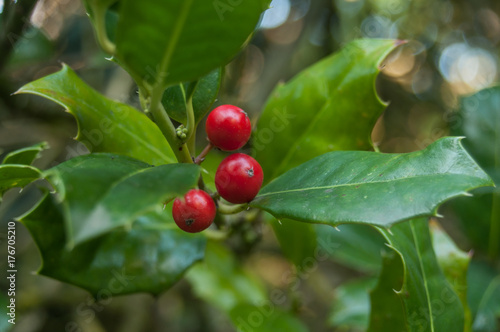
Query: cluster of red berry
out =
(238, 178)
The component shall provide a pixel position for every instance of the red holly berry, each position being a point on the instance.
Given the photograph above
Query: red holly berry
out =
(228, 127)
(195, 212)
(238, 178)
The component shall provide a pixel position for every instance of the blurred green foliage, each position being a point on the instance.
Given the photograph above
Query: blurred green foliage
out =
(453, 53)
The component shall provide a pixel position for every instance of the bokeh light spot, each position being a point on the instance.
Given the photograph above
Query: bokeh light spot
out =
(276, 15)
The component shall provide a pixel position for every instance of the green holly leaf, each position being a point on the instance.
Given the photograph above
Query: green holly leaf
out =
(168, 42)
(204, 92)
(355, 186)
(17, 176)
(483, 295)
(104, 125)
(104, 17)
(385, 304)
(478, 119)
(101, 192)
(357, 246)
(342, 108)
(454, 263)
(430, 302)
(329, 106)
(25, 156)
(297, 240)
(149, 256)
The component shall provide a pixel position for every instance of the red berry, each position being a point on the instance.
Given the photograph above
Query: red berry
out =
(238, 178)
(195, 212)
(228, 127)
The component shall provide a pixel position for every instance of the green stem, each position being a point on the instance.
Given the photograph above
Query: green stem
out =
(107, 45)
(191, 142)
(231, 209)
(190, 120)
(160, 116)
(166, 126)
(190, 124)
(156, 92)
(143, 99)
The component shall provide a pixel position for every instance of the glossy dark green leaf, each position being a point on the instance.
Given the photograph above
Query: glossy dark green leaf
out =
(25, 156)
(101, 192)
(267, 318)
(387, 311)
(474, 218)
(430, 302)
(330, 106)
(297, 240)
(150, 256)
(454, 263)
(351, 307)
(17, 176)
(204, 92)
(104, 125)
(355, 186)
(187, 39)
(220, 281)
(356, 246)
(483, 294)
(478, 119)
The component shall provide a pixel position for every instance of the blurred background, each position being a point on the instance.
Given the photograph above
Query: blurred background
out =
(453, 52)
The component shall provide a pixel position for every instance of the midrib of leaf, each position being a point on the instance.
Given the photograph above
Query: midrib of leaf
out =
(292, 149)
(99, 114)
(179, 26)
(427, 295)
(356, 184)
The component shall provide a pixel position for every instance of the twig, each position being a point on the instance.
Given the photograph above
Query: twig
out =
(198, 160)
